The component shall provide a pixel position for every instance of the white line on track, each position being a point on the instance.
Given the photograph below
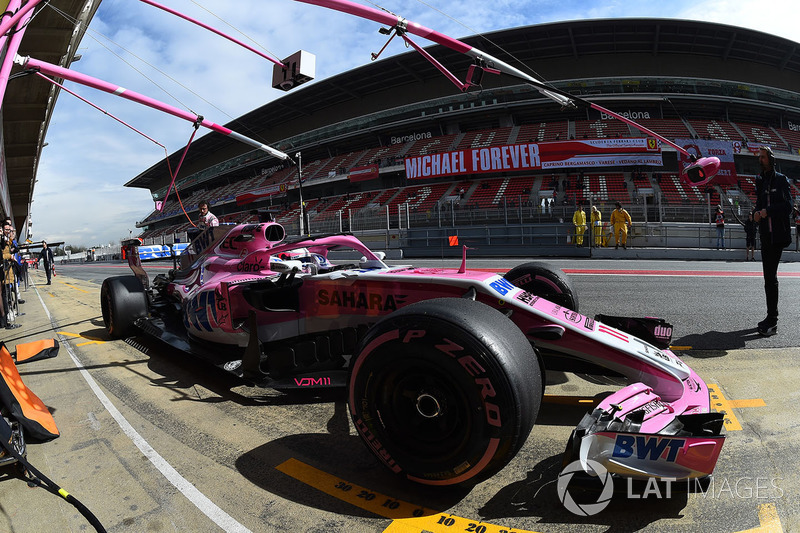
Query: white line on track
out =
(198, 499)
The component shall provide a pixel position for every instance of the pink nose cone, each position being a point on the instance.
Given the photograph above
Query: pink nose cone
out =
(701, 171)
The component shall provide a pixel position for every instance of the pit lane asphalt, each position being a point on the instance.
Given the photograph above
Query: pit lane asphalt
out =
(268, 462)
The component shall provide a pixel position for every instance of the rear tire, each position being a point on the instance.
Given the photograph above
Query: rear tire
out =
(546, 282)
(123, 301)
(445, 391)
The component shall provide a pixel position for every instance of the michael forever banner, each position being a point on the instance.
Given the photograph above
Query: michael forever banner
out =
(592, 153)
(258, 194)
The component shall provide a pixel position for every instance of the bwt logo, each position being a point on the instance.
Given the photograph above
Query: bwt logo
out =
(502, 286)
(645, 447)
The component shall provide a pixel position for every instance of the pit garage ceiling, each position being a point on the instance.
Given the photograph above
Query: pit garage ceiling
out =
(52, 35)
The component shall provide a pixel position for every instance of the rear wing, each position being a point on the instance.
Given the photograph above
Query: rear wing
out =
(200, 241)
(130, 251)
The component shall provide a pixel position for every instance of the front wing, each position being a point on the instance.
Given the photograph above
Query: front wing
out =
(619, 435)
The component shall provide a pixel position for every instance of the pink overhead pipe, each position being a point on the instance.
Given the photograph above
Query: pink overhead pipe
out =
(173, 175)
(79, 97)
(700, 171)
(13, 45)
(83, 79)
(383, 17)
(402, 25)
(214, 30)
(12, 21)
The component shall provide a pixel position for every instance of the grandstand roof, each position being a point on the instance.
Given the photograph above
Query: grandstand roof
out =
(559, 51)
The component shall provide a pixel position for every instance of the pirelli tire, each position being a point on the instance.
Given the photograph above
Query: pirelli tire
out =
(445, 391)
(122, 301)
(546, 282)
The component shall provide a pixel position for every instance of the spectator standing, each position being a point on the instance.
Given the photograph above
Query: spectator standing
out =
(620, 222)
(719, 220)
(773, 210)
(579, 219)
(207, 218)
(48, 261)
(750, 231)
(597, 226)
(20, 273)
(7, 248)
(796, 215)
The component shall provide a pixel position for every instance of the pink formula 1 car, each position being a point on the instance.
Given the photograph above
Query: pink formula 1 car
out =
(444, 368)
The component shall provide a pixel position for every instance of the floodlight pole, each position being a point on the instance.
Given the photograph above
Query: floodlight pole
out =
(299, 157)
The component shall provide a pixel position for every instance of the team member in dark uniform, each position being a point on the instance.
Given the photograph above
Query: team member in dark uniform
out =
(48, 261)
(751, 232)
(772, 212)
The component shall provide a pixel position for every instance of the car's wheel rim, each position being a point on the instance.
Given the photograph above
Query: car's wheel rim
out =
(425, 412)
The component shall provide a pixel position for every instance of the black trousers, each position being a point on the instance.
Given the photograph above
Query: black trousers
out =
(770, 257)
(3, 317)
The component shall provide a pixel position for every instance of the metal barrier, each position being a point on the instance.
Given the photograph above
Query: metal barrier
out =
(515, 227)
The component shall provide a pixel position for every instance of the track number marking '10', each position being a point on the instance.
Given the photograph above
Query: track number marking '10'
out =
(450, 523)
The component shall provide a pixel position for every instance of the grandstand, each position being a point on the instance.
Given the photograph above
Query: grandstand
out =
(601, 129)
(360, 121)
(716, 129)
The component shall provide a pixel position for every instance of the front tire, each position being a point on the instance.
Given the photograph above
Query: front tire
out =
(546, 282)
(123, 301)
(445, 391)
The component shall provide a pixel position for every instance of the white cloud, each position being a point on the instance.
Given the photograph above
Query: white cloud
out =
(80, 195)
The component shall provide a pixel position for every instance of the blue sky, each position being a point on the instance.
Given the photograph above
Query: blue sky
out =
(80, 196)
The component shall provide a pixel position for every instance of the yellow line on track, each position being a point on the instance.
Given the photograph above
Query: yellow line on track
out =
(91, 340)
(448, 523)
(757, 402)
(74, 287)
(408, 518)
(721, 405)
(569, 400)
(768, 518)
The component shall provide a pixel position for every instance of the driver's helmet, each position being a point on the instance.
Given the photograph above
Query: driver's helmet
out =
(311, 262)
